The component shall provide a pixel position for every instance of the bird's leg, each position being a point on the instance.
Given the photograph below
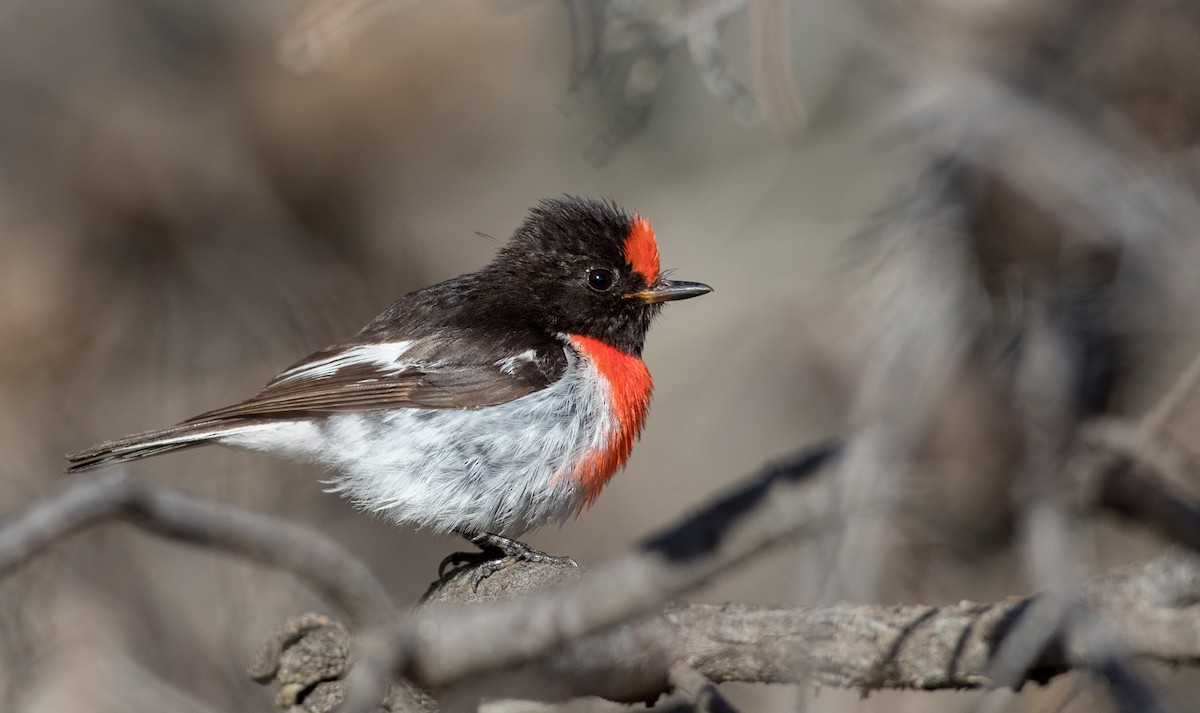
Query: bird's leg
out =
(454, 559)
(514, 549)
(496, 553)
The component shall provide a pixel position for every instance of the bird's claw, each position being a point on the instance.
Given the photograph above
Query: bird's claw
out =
(492, 566)
(497, 553)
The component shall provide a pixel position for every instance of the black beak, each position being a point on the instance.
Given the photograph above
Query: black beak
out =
(670, 290)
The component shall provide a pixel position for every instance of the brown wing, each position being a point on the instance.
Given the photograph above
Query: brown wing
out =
(443, 372)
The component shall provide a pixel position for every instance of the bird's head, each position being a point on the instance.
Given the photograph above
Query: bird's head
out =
(587, 267)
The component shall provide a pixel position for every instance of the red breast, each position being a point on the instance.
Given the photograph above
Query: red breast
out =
(630, 387)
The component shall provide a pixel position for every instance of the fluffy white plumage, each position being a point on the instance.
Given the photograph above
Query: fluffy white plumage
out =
(502, 469)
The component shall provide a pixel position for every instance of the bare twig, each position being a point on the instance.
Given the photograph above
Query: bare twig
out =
(316, 560)
(1127, 471)
(1136, 471)
(697, 690)
(1182, 391)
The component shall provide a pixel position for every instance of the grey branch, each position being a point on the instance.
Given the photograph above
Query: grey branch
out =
(1153, 609)
(318, 561)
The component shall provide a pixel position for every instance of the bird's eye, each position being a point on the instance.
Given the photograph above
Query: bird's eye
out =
(601, 280)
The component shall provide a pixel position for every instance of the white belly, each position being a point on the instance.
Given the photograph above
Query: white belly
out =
(501, 469)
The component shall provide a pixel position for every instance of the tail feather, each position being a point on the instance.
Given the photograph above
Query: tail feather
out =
(141, 445)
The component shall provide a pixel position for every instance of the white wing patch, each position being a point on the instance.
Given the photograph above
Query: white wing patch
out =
(509, 365)
(385, 356)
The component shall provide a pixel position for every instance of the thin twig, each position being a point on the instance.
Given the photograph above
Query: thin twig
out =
(1124, 470)
(1183, 390)
(697, 690)
(314, 559)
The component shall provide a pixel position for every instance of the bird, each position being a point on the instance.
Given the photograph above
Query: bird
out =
(486, 405)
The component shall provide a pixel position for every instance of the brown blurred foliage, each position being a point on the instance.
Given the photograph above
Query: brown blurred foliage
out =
(193, 195)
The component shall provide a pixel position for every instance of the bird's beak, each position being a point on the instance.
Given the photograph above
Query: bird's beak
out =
(669, 290)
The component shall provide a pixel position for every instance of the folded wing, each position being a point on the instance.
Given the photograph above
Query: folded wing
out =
(447, 371)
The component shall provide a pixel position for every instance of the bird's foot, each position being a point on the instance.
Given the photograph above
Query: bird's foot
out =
(497, 553)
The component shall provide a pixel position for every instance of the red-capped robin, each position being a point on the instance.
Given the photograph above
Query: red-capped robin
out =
(489, 404)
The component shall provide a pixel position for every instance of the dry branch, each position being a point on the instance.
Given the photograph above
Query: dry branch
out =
(1153, 609)
(317, 560)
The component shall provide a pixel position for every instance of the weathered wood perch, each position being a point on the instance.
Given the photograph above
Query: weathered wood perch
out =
(1153, 610)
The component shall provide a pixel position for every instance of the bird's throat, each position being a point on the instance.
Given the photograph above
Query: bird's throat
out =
(629, 390)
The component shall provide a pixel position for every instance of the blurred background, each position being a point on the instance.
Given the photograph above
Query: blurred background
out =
(956, 229)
